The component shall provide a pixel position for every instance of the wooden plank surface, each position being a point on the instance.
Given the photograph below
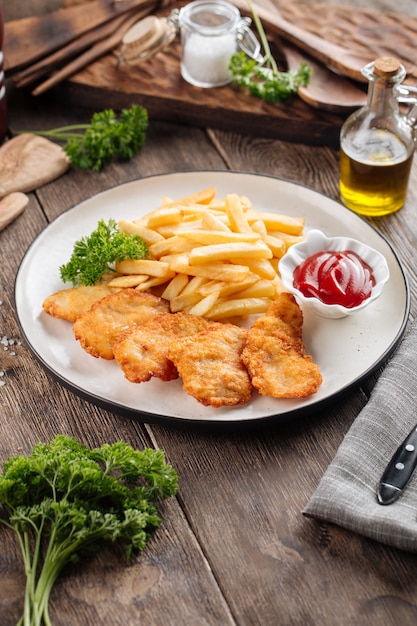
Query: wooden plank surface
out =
(234, 548)
(172, 581)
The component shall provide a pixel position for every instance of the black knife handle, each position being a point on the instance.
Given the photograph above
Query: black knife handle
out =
(399, 470)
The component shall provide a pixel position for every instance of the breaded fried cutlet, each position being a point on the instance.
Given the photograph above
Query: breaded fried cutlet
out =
(68, 304)
(210, 366)
(98, 328)
(142, 350)
(274, 353)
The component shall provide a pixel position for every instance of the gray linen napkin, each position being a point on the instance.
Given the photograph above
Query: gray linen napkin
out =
(346, 494)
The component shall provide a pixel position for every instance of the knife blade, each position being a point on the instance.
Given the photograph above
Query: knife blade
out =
(399, 470)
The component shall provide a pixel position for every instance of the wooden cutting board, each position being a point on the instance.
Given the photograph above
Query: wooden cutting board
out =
(158, 85)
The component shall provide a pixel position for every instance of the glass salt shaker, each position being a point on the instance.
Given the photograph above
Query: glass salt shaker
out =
(211, 32)
(377, 143)
(3, 107)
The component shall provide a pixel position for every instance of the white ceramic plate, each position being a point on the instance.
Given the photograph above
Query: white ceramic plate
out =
(347, 350)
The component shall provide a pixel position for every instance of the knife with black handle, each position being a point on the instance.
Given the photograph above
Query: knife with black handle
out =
(399, 470)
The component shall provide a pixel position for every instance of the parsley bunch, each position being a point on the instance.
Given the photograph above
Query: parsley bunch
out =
(64, 500)
(95, 254)
(106, 137)
(261, 76)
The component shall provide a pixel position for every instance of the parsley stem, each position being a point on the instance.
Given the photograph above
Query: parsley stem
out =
(268, 58)
(106, 137)
(63, 133)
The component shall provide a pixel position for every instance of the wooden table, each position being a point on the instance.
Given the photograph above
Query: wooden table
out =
(234, 548)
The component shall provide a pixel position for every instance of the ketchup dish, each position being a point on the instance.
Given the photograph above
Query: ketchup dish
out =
(333, 276)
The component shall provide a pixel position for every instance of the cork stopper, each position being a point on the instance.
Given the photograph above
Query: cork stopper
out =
(144, 39)
(386, 67)
(143, 35)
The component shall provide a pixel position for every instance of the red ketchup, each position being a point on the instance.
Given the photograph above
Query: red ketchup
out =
(335, 278)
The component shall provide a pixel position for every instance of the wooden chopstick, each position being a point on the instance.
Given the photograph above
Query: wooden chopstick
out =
(95, 52)
(30, 39)
(46, 65)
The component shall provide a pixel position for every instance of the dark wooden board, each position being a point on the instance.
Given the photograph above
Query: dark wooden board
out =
(159, 87)
(171, 98)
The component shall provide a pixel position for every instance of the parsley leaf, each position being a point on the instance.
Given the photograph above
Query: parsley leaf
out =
(261, 76)
(106, 137)
(94, 255)
(265, 82)
(64, 500)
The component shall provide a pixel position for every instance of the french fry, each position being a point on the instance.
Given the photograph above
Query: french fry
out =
(213, 271)
(148, 235)
(193, 211)
(227, 251)
(275, 264)
(259, 227)
(261, 289)
(175, 286)
(262, 267)
(237, 217)
(165, 215)
(172, 245)
(130, 280)
(226, 289)
(166, 201)
(289, 240)
(210, 221)
(152, 282)
(184, 302)
(242, 307)
(144, 266)
(201, 197)
(194, 285)
(220, 204)
(207, 237)
(170, 230)
(276, 245)
(218, 258)
(282, 223)
(205, 304)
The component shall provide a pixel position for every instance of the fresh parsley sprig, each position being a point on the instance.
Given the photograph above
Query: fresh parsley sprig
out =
(106, 137)
(64, 500)
(261, 76)
(96, 253)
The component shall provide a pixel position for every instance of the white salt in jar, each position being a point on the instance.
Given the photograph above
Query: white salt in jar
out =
(210, 34)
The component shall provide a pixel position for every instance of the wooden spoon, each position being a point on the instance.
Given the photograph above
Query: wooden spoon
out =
(327, 90)
(11, 206)
(340, 59)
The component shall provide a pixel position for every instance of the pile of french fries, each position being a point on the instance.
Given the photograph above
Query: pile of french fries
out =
(217, 258)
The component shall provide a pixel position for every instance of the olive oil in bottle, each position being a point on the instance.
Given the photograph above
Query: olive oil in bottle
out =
(377, 146)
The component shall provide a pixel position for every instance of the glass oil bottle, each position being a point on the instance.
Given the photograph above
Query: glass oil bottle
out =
(377, 144)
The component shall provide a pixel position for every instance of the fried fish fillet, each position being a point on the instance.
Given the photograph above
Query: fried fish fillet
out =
(141, 351)
(98, 328)
(210, 366)
(68, 304)
(274, 353)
